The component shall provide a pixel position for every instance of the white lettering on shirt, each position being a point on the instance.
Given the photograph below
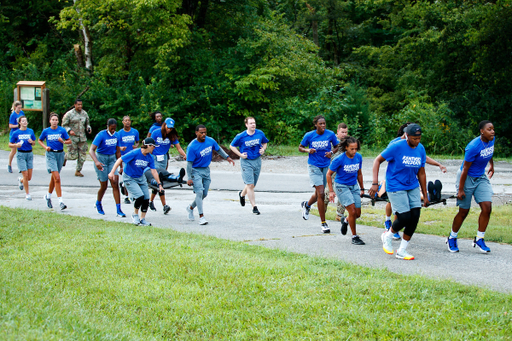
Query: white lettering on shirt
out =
(141, 163)
(319, 144)
(24, 137)
(111, 142)
(252, 143)
(351, 168)
(128, 139)
(53, 137)
(411, 161)
(159, 140)
(485, 153)
(205, 151)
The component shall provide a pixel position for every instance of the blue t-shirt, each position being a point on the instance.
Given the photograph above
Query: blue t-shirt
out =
(322, 144)
(52, 137)
(347, 169)
(127, 139)
(200, 153)
(106, 143)
(164, 145)
(396, 139)
(136, 163)
(404, 163)
(23, 136)
(13, 119)
(250, 144)
(154, 127)
(479, 153)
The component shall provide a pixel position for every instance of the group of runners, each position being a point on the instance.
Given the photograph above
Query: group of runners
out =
(333, 163)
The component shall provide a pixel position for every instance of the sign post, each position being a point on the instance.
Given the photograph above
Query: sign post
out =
(33, 97)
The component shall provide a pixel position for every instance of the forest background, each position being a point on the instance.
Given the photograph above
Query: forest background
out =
(373, 64)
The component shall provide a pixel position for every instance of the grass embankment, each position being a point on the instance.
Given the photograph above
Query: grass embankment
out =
(67, 277)
(438, 221)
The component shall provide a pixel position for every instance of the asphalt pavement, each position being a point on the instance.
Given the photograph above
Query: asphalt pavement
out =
(280, 224)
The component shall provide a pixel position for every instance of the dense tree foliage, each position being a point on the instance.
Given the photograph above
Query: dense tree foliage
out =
(371, 63)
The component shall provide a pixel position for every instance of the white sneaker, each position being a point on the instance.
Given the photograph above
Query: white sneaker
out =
(387, 246)
(135, 219)
(403, 254)
(20, 183)
(28, 197)
(190, 213)
(202, 221)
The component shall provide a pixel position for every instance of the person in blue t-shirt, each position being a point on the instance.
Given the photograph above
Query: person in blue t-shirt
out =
(405, 174)
(165, 138)
(128, 140)
(157, 118)
(199, 157)
(23, 139)
(252, 144)
(134, 180)
(13, 125)
(319, 145)
(104, 152)
(472, 181)
(55, 136)
(347, 167)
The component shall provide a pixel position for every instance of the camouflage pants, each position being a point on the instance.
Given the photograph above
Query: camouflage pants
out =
(77, 151)
(340, 209)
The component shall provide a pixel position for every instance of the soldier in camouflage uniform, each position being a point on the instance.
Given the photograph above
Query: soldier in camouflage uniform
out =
(76, 123)
(340, 210)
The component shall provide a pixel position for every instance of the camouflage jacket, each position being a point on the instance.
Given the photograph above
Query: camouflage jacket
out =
(78, 122)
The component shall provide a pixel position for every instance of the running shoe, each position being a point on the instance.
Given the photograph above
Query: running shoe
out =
(344, 225)
(48, 201)
(127, 201)
(167, 208)
(152, 206)
(438, 186)
(99, 208)
(356, 240)
(63, 206)
(403, 254)
(305, 210)
(143, 222)
(431, 191)
(20, 183)
(452, 244)
(242, 199)
(190, 213)
(386, 244)
(325, 228)
(388, 224)
(396, 236)
(135, 219)
(202, 221)
(28, 197)
(182, 175)
(9, 168)
(481, 244)
(119, 212)
(255, 210)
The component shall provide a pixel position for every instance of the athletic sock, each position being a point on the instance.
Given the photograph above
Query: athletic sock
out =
(403, 244)
(355, 235)
(453, 234)
(388, 234)
(60, 200)
(98, 202)
(346, 220)
(480, 235)
(323, 222)
(49, 195)
(388, 218)
(118, 206)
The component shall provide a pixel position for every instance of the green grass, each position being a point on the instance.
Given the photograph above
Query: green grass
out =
(438, 220)
(67, 277)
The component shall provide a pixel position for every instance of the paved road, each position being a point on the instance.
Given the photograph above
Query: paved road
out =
(280, 225)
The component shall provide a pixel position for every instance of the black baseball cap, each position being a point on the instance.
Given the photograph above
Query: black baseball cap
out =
(149, 141)
(413, 130)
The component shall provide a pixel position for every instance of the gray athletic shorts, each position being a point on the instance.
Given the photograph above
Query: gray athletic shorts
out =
(480, 188)
(317, 176)
(136, 187)
(54, 161)
(162, 163)
(348, 195)
(201, 179)
(24, 161)
(108, 162)
(250, 170)
(404, 201)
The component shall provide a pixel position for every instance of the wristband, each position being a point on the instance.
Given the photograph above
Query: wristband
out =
(375, 184)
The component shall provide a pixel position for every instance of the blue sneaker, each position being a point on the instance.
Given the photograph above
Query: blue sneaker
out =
(396, 236)
(99, 208)
(452, 244)
(387, 224)
(119, 212)
(481, 245)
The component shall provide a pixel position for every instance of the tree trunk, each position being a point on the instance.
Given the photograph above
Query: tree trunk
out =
(314, 24)
(87, 41)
